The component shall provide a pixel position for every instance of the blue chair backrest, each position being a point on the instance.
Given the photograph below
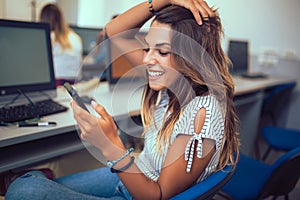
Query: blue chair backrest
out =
(277, 90)
(284, 174)
(289, 155)
(279, 97)
(208, 187)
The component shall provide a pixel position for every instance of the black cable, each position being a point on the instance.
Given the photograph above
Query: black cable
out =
(11, 102)
(31, 102)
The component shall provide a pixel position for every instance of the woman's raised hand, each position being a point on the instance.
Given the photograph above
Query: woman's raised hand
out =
(199, 8)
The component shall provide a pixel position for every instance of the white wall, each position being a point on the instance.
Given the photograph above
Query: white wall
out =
(268, 24)
(95, 13)
(17, 10)
(2, 10)
(21, 9)
(70, 10)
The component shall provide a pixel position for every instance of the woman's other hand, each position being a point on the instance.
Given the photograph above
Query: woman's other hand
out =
(98, 131)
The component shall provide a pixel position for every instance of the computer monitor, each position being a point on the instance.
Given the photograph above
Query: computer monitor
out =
(238, 53)
(88, 36)
(25, 57)
(120, 68)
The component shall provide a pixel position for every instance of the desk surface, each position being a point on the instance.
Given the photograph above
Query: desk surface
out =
(248, 85)
(118, 102)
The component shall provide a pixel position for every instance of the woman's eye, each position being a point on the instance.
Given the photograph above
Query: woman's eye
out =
(146, 49)
(163, 52)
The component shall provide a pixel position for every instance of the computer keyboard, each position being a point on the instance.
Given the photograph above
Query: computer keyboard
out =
(11, 114)
(254, 75)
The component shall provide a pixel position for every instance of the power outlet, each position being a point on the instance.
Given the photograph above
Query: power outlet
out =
(268, 57)
(290, 54)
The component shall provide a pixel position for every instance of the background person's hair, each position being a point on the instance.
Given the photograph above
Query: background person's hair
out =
(204, 67)
(53, 15)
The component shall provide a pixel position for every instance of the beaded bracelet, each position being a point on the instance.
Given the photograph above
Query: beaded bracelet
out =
(151, 9)
(112, 170)
(114, 162)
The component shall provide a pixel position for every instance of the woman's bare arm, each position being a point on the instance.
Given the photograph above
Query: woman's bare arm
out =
(138, 15)
(133, 18)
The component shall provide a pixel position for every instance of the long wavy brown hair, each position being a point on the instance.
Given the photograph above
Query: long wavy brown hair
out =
(53, 15)
(199, 57)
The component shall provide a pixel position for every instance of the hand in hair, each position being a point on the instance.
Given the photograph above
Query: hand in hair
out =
(199, 8)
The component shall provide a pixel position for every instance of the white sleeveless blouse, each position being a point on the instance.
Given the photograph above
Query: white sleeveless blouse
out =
(150, 161)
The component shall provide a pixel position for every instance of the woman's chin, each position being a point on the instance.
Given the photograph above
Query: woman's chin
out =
(156, 86)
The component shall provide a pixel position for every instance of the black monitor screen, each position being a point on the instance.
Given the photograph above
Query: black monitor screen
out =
(238, 54)
(88, 36)
(25, 57)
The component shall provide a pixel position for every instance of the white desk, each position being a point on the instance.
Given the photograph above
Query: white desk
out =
(246, 85)
(23, 146)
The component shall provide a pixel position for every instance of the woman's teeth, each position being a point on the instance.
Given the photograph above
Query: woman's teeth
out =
(155, 73)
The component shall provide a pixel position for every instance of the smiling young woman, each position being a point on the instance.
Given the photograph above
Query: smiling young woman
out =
(187, 111)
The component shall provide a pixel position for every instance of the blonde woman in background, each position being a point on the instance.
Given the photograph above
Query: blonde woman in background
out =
(66, 45)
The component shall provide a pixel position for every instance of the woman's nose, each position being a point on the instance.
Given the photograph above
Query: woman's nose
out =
(149, 57)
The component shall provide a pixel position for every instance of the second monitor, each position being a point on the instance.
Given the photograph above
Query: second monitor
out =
(238, 53)
(88, 36)
(120, 70)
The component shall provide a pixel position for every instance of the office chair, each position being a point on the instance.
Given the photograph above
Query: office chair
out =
(282, 139)
(277, 98)
(207, 188)
(254, 179)
(273, 121)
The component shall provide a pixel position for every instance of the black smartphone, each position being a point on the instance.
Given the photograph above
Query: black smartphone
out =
(75, 96)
